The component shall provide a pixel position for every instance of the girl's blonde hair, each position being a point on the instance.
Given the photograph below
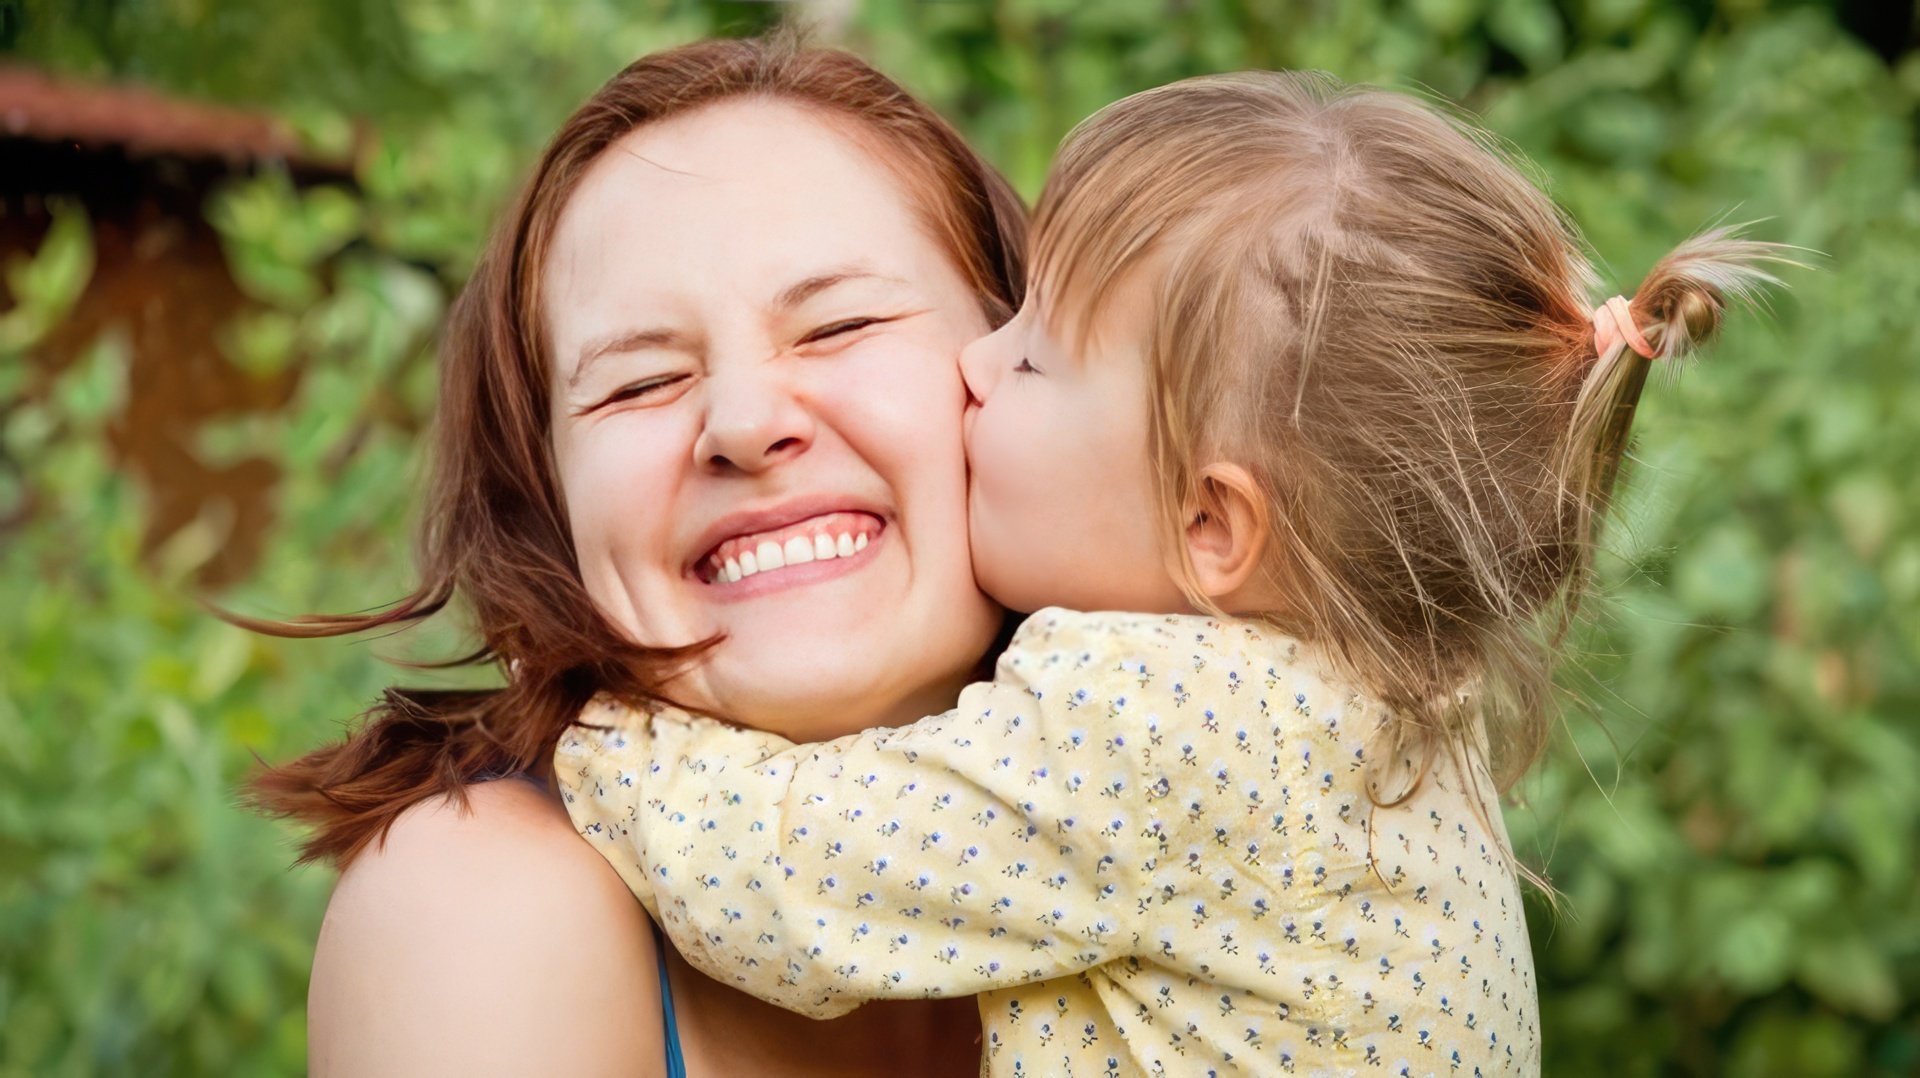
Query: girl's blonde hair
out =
(1367, 303)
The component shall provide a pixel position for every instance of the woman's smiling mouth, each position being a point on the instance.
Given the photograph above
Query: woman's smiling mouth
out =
(829, 537)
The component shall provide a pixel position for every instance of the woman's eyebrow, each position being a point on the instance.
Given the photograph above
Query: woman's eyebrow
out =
(795, 294)
(637, 340)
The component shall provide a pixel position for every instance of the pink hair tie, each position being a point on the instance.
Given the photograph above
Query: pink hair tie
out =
(1613, 323)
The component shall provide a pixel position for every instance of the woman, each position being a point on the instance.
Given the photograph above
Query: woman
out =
(725, 310)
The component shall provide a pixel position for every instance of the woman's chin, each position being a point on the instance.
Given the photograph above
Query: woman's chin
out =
(815, 690)
(820, 678)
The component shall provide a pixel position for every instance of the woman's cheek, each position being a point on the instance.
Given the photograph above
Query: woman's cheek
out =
(608, 459)
(900, 407)
(618, 480)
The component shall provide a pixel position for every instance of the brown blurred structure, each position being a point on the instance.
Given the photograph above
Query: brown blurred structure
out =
(143, 165)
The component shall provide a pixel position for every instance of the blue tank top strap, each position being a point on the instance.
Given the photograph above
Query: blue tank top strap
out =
(676, 1061)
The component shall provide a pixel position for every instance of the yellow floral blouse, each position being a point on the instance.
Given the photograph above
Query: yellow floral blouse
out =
(1146, 845)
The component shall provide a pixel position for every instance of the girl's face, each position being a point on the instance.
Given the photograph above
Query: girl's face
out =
(1063, 506)
(756, 418)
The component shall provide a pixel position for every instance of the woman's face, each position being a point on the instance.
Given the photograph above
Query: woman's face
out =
(756, 418)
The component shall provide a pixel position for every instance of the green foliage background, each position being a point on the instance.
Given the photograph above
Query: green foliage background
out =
(1735, 837)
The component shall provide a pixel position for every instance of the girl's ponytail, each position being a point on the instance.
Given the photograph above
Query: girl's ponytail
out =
(1677, 309)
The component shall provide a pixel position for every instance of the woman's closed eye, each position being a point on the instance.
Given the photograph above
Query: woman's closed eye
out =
(643, 389)
(841, 328)
(1026, 367)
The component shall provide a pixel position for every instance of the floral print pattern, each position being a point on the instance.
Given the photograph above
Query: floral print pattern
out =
(1147, 845)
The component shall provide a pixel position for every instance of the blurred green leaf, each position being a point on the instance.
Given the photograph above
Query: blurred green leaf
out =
(95, 386)
(46, 285)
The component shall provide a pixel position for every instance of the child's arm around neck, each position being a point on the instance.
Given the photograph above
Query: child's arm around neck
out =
(1000, 843)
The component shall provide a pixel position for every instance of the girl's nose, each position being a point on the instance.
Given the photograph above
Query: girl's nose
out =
(753, 422)
(978, 367)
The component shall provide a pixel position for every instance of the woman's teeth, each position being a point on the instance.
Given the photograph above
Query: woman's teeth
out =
(799, 550)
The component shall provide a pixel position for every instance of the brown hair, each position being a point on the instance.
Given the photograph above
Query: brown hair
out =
(1367, 303)
(495, 535)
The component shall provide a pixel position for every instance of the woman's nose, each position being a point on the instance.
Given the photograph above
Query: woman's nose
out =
(753, 422)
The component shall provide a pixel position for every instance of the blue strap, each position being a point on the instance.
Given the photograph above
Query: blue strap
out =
(676, 1060)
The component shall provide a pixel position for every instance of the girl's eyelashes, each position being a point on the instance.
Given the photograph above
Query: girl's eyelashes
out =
(1026, 367)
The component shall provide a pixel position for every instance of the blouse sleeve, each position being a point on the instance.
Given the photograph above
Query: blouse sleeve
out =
(999, 843)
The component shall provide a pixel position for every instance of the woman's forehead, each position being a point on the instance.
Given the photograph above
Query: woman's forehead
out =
(727, 207)
(754, 186)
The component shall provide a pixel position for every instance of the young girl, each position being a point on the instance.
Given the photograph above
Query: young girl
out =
(1309, 384)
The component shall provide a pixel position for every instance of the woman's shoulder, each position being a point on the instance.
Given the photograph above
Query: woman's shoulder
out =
(510, 835)
(487, 938)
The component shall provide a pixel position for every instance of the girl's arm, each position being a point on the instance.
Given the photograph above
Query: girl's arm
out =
(1000, 843)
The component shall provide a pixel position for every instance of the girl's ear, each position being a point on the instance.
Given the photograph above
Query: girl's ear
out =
(1226, 531)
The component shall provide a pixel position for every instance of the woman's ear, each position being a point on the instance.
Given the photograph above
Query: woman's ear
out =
(1226, 530)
